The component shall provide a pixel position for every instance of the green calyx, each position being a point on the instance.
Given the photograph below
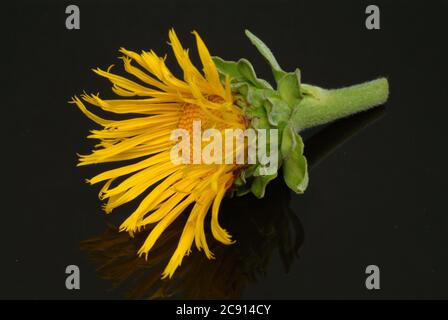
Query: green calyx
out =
(290, 107)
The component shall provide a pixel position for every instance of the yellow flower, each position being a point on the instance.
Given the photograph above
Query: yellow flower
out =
(160, 103)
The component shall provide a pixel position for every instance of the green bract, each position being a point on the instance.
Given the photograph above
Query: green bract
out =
(269, 108)
(290, 107)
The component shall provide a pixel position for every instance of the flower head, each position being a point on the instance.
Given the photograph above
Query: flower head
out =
(160, 105)
(223, 95)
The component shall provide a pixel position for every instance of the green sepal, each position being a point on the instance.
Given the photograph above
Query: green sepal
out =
(260, 123)
(268, 108)
(247, 71)
(277, 110)
(253, 96)
(267, 54)
(243, 190)
(288, 83)
(289, 88)
(249, 170)
(227, 67)
(288, 142)
(241, 71)
(239, 181)
(259, 184)
(295, 167)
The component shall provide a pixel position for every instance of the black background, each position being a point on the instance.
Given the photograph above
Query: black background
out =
(379, 199)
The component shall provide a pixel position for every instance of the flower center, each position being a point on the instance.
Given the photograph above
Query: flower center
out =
(220, 116)
(193, 112)
(221, 119)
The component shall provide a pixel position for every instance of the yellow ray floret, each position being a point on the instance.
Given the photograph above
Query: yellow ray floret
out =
(158, 102)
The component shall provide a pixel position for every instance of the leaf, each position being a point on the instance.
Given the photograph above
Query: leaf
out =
(289, 87)
(267, 54)
(295, 168)
(259, 184)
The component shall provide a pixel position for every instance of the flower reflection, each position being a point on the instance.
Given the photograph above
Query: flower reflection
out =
(260, 226)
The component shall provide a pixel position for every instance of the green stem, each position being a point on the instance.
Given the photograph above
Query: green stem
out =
(320, 106)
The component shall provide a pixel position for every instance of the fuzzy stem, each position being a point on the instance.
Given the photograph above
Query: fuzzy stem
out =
(320, 106)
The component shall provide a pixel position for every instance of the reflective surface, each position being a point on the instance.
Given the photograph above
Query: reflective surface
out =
(262, 227)
(379, 198)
